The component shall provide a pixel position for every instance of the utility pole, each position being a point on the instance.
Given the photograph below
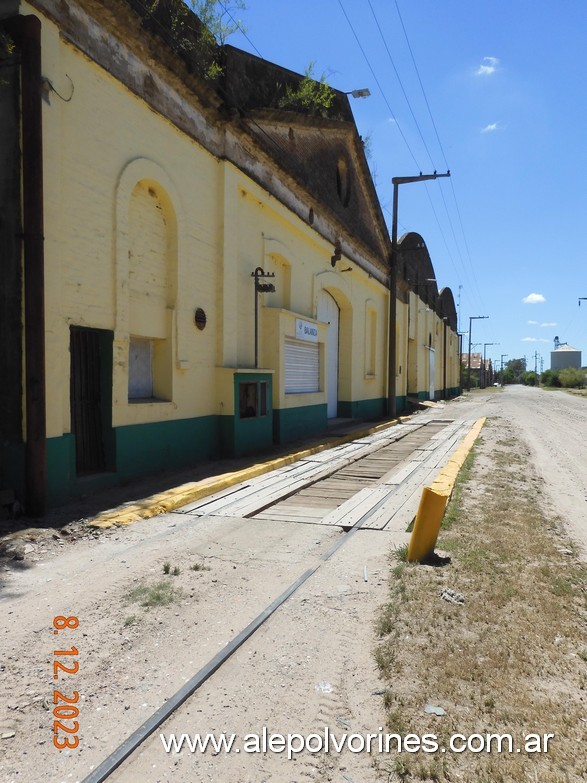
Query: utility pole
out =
(392, 358)
(460, 336)
(471, 319)
(536, 362)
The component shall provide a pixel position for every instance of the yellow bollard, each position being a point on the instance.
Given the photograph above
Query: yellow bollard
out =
(427, 525)
(435, 499)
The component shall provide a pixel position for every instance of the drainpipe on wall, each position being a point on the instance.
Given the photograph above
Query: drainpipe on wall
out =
(27, 33)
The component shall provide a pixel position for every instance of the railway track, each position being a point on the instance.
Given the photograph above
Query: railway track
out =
(374, 482)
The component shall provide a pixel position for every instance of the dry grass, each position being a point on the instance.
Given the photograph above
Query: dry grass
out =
(511, 659)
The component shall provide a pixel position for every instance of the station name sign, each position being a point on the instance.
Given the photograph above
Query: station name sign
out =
(306, 331)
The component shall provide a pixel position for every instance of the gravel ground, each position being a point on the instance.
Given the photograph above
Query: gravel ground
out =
(311, 665)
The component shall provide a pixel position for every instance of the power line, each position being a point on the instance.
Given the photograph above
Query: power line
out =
(239, 27)
(401, 84)
(444, 158)
(450, 255)
(420, 81)
(378, 84)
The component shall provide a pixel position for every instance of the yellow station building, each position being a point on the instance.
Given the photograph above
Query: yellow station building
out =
(194, 263)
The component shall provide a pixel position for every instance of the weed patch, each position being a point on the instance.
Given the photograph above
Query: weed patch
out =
(511, 659)
(158, 594)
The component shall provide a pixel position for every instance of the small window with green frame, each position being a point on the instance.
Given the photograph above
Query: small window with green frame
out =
(252, 399)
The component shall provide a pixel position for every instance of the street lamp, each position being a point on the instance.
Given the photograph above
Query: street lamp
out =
(484, 364)
(364, 92)
(471, 319)
(392, 358)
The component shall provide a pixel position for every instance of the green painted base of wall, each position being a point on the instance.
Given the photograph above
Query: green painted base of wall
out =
(292, 423)
(401, 404)
(362, 409)
(249, 435)
(60, 469)
(139, 450)
(147, 448)
(240, 437)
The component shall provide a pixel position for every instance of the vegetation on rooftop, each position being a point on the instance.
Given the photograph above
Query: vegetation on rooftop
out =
(312, 95)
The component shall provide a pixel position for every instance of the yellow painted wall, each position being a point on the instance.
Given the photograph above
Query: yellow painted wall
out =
(272, 238)
(402, 331)
(94, 158)
(103, 148)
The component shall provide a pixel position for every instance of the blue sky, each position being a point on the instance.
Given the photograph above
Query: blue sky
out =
(505, 82)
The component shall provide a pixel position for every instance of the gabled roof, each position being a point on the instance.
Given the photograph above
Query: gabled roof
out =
(320, 149)
(326, 159)
(307, 159)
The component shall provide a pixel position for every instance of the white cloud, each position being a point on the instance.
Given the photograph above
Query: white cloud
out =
(491, 128)
(533, 299)
(533, 323)
(535, 340)
(549, 324)
(487, 67)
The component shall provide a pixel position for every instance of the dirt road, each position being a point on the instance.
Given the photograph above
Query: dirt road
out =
(310, 666)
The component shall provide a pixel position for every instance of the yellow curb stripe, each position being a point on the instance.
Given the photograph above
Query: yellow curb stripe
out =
(172, 499)
(435, 499)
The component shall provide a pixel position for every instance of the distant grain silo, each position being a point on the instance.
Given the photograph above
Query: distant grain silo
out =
(563, 356)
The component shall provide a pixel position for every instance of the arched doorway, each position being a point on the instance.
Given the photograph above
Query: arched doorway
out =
(328, 312)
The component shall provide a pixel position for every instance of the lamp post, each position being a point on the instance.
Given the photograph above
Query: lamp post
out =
(260, 288)
(392, 358)
(444, 328)
(484, 364)
(460, 336)
(471, 319)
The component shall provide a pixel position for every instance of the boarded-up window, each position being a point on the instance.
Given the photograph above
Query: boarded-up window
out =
(302, 367)
(140, 368)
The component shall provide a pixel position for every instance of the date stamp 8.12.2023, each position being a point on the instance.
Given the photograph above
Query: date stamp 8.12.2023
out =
(65, 665)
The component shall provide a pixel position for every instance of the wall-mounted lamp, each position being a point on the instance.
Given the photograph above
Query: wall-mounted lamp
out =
(260, 288)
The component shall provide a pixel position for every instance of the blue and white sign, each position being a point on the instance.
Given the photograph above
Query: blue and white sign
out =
(306, 331)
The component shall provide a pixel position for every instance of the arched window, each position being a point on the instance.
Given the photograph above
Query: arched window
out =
(151, 265)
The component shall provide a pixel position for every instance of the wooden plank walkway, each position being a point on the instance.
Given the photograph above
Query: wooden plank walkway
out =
(376, 481)
(254, 495)
(390, 501)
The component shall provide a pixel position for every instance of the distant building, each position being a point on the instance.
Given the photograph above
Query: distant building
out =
(476, 360)
(565, 356)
